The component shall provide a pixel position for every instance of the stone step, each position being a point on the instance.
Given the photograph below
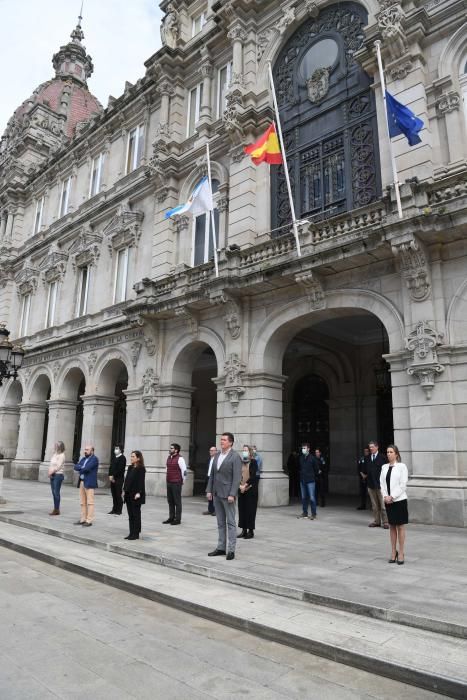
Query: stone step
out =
(421, 658)
(245, 579)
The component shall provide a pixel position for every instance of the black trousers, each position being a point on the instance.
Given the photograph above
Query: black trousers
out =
(116, 490)
(134, 516)
(322, 488)
(174, 499)
(363, 492)
(247, 506)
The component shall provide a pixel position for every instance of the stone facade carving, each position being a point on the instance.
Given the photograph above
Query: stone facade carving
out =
(450, 102)
(91, 361)
(262, 42)
(87, 247)
(124, 229)
(313, 289)
(150, 385)
(231, 117)
(56, 367)
(53, 266)
(391, 25)
(170, 27)
(288, 16)
(232, 313)
(413, 267)
(422, 343)
(26, 279)
(234, 370)
(150, 345)
(135, 352)
(190, 318)
(318, 85)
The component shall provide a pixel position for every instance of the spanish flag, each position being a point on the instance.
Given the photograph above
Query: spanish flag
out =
(266, 149)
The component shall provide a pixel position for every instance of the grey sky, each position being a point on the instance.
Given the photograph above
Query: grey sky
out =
(119, 35)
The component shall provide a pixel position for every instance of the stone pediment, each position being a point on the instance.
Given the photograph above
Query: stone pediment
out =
(124, 229)
(26, 279)
(85, 250)
(53, 266)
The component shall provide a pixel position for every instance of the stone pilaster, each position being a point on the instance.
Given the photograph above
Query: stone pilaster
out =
(98, 412)
(62, 418)
(31, 430)
(9, 422)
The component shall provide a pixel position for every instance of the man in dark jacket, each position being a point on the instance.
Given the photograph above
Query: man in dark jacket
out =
(87, 469)
(373, 466)
(116, 476)
(309, 474)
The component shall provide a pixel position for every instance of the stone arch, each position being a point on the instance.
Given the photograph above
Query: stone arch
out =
(456, 322)
(449, 65)
(330, 373)
(70, 378)
(273, 336)
(9, 418)
(183, 353)
(218, 172)
(40, 384)
(12, 393)
(277, 41)
(105, 369)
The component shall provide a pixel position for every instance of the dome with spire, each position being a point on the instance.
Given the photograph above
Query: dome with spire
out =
(65, 98)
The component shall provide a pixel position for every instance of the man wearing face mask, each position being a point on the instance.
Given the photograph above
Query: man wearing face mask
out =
(309, 473)
(116, 477)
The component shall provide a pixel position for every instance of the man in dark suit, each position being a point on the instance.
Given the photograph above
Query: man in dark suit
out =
(224, 480)
(362, 477)
(116, 477)
(212, 454)
(373, 466)
(87, 469)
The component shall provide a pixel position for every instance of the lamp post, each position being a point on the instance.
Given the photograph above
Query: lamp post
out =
(11, 356)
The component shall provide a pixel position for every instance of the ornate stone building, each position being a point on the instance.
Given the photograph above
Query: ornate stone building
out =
(129, 334)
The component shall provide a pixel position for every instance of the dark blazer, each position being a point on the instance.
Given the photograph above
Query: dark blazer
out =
(135, 483)
(224, 482)
(309, 468)
(89, 471)
(373, 470)
(117, 466)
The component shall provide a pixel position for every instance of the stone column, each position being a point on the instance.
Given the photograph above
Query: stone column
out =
(449, 106)
(62, 419)
(9, 422)
(28, 452)
(9, 225)
(98, 413)
(206, 71)
(237, 35)
(3, 220)
(166, 91)
(259, 422)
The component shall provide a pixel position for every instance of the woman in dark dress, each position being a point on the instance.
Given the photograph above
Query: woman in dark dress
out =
(248, 494)
(134, 493)
(393, 481)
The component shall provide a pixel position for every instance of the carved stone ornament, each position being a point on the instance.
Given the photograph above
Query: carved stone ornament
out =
(234, 370)
(390, 23)
(262, 41)
(422, 343)
(150, 345)
(190, 318)
(124, 229)
(56, 369)
(135, 352)
(91, 361)
(414, 268)
(311, 8)
(313, 289)
(53, 266)
(181, 223)
(170, 27)
(448, 103)
(288, 16)
(26, 279)
(155, 168)
(86, 248)
(318, 85)
(237, 33)
(150, 385)
(232, 313)
(231, 117)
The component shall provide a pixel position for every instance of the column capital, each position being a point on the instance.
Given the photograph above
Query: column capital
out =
(97, 400)
(62, 404)
(33, 407)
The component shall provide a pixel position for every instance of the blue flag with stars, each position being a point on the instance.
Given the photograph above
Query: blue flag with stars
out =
(401, 120)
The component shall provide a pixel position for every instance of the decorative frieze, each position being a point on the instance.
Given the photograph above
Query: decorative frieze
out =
(422, 343)
(150, 386)
(124, 229)
(413, 267)
(234, 369)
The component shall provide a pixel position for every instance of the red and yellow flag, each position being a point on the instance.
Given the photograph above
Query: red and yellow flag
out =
(266, 149)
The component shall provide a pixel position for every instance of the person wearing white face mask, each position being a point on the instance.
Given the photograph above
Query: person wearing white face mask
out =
(116, 476)
(248, 494)
(309, 473)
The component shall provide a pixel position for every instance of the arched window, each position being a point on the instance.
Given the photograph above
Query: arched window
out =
(328, 116)
(203, 249)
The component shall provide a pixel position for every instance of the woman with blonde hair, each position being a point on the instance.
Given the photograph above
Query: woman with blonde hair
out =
(56, 474)
(393, 481)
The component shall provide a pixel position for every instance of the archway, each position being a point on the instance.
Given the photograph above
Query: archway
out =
(203, 414)
(9, 421)
(337, 395)
(33, 429)
(70, 407)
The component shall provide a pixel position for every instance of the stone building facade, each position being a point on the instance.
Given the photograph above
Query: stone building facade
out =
(130, 335)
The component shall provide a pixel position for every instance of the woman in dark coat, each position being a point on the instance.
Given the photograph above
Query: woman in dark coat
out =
(134, 493)
(248, 494)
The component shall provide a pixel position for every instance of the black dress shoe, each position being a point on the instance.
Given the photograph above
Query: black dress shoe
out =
(86, 524)
(217, 553)
(230, 556)
(169, 521)
(79, 522)
(249, 535)
(127, 537)
(133, 537)
(242, 534)
(175, 522)
(111, 512)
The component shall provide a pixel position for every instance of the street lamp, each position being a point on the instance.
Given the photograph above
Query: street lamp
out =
(11, 356)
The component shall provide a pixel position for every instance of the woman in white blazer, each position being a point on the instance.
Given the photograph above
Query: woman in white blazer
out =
(393, 481)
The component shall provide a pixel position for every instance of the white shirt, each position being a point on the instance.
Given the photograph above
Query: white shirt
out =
(182, 467)
(210, 466)
(221, 458)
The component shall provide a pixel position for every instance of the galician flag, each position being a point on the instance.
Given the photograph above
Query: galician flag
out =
(199, 202)
(266, 149)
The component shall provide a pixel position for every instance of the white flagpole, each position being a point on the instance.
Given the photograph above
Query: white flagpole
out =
(213, 220)
(393, 158)
(284, 157)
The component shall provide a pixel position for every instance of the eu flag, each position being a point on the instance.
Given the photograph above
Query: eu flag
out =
(401, 120)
